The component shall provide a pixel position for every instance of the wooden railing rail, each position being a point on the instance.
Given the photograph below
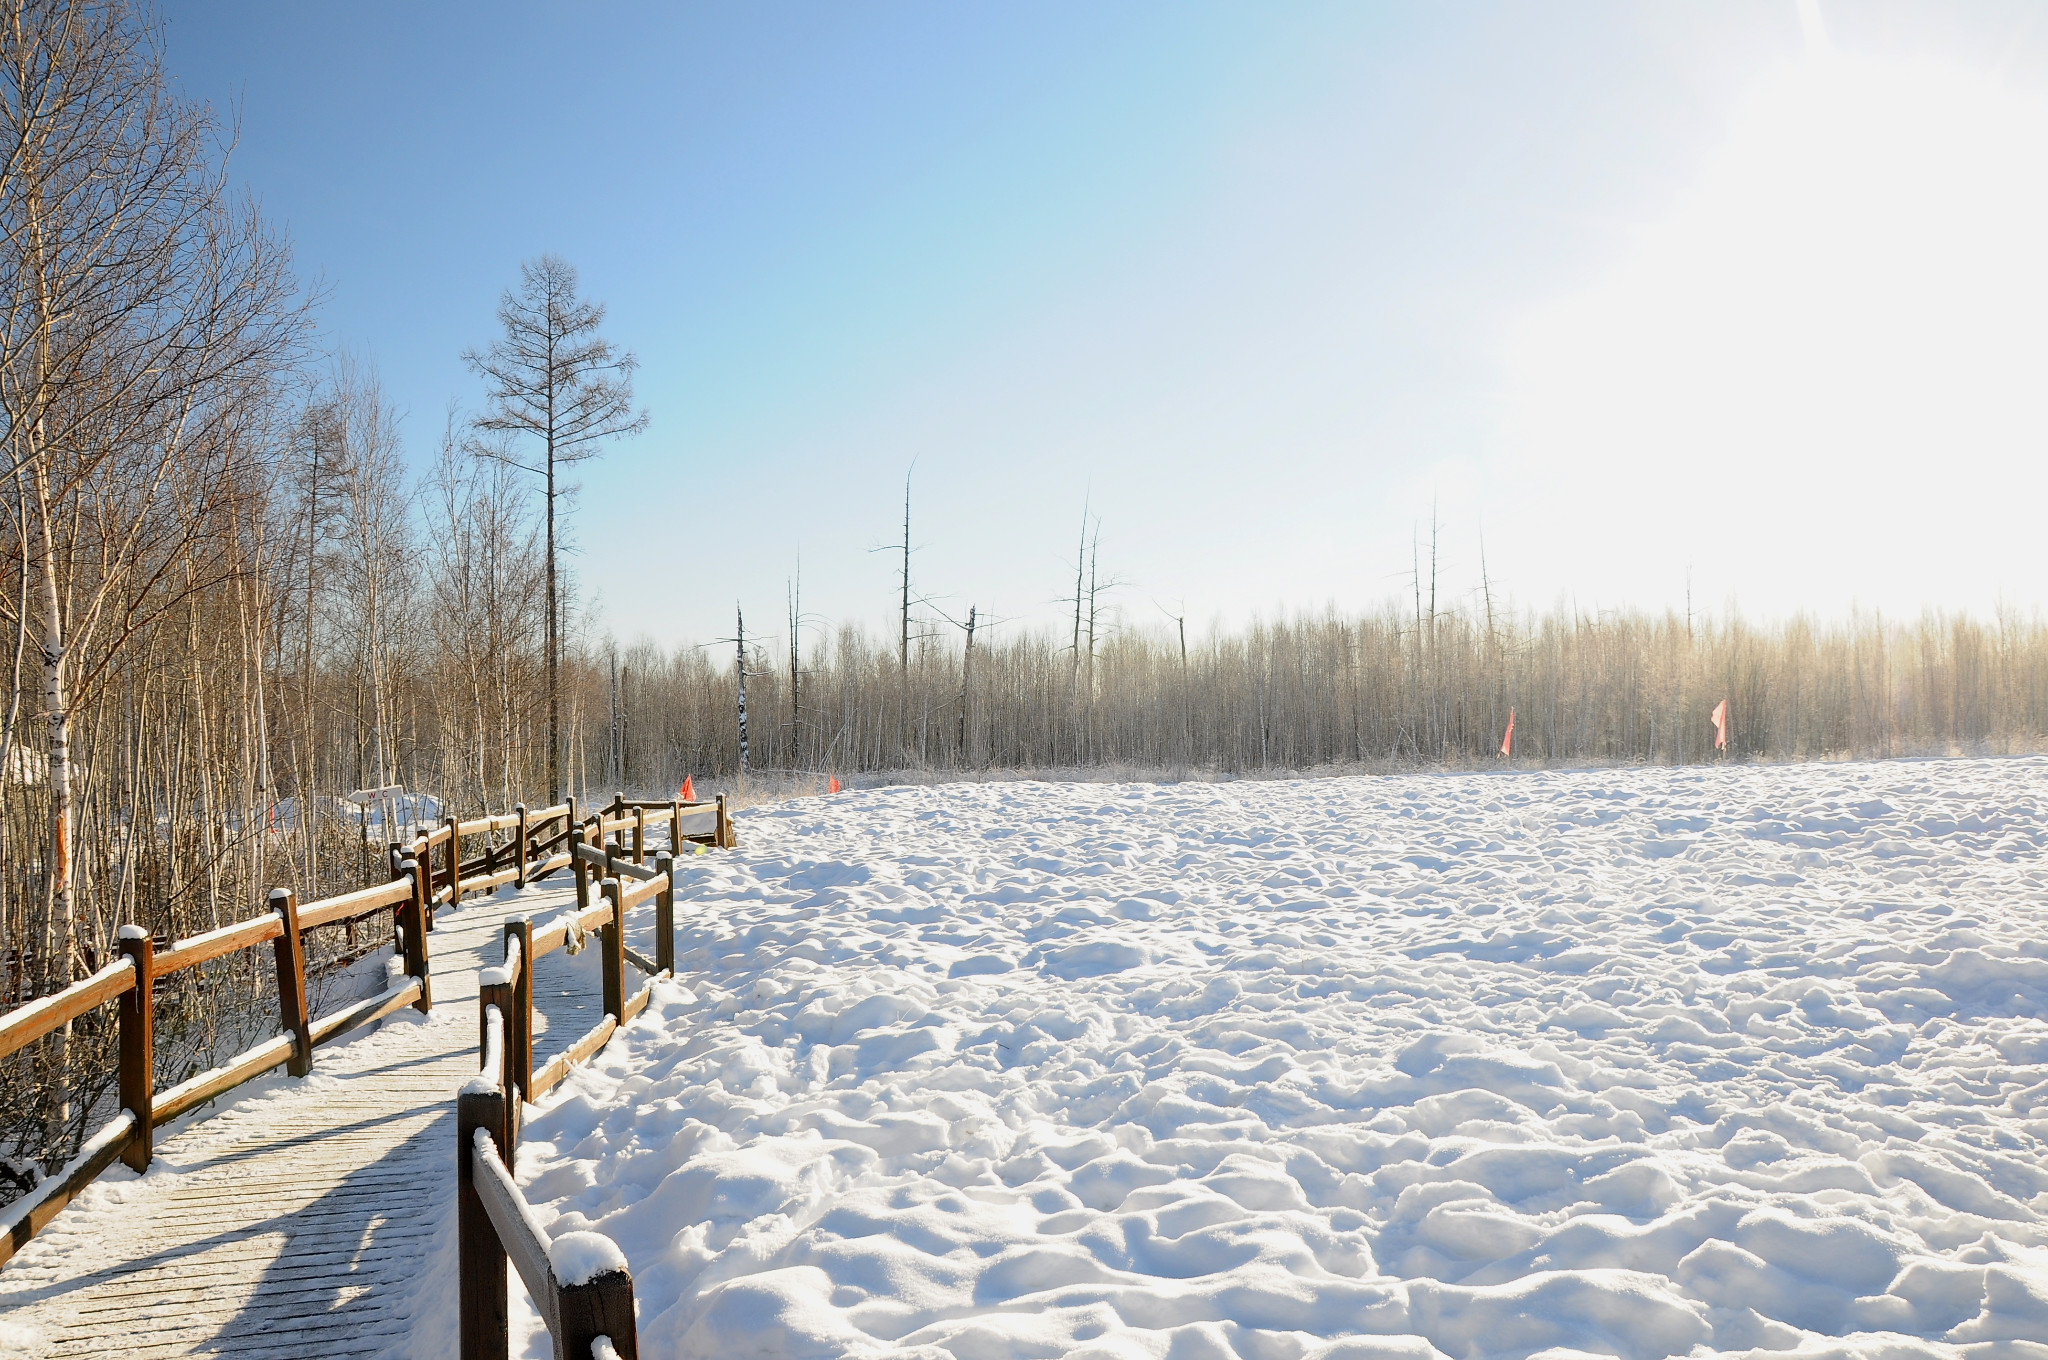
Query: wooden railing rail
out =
(612, 862)
(24, 1025)
(579, 1281)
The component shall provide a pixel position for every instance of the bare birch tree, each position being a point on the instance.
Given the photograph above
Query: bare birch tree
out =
(136, 301)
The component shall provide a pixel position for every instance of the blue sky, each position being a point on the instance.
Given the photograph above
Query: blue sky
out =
(1262, 284)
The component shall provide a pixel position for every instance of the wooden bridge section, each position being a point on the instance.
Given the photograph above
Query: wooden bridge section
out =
(303, 1221)
(315, 1216)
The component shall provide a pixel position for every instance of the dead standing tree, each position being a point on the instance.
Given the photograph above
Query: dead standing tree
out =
(739, 671)
(555, 380)
(1089, 628)
(904, 547)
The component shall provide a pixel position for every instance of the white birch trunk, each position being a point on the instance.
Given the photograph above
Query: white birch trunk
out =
(60, 928)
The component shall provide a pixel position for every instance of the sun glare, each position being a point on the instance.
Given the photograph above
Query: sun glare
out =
(1819, 374)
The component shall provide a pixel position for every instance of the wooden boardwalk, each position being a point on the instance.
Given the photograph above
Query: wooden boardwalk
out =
(309, 1218)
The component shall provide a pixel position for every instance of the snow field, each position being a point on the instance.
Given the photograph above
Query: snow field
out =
(1636, 1063)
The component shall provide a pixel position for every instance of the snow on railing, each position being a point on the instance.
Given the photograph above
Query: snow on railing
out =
(579, 1281)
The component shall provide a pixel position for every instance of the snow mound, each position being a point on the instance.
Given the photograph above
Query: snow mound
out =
(1481, 1067)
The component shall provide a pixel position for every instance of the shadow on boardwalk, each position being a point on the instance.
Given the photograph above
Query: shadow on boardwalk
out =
(318, 1277)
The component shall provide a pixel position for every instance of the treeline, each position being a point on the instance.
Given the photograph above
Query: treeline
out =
(1332, 690)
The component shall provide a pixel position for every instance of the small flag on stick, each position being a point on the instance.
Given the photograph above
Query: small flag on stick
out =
(1721, 726)
(1507, 743)
(833, 785)
(689, 791)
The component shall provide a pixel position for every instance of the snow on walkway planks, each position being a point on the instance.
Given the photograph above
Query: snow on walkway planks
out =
(302, 1220)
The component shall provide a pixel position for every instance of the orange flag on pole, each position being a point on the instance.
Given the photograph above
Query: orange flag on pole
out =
(1507, 742)
(833, 787)
(1721, 726)
(689, 790)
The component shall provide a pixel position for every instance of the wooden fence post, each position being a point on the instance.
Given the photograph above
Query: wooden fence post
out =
(639, 835)
(611, 938)
(398, 912)
(454, 863)
(665, 913)
(484, 1324)
(521, 880)
(427, 872)
(581, 869)
(601, 1306)
(138, 1044)
(291, 982)
(724, 837)
(519, 1020)
(675, 826)
(416, 940)
(498, 994)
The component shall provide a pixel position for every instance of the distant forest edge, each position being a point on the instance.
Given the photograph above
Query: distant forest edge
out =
(1332, 690)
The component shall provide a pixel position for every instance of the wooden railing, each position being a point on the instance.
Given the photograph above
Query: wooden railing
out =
(132, 981)
(579, 1281)
(415, 890)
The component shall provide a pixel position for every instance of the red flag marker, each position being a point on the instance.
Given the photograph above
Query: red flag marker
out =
(1721, 726)
(833, 787)
(689, 791)
(1507, 743)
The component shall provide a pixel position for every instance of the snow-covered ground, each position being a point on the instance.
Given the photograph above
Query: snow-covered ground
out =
(1635, 1063)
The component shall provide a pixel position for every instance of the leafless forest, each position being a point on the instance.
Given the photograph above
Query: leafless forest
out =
(1318, 691)
(237, 606)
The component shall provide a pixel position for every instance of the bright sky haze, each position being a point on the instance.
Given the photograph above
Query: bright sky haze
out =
(1745, 299)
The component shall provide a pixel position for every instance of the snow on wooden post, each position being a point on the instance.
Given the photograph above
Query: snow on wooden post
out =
(494, 993)
(639, 835)
(579, 867)
(138, 1044)
(519, 1019)
(593, 1296)
(454, 862)
(291, 982)
(416, 937)
(396, 871)
(665, 913)
(612, 944)
(525, 843)
(427, 872)
(483, 1323)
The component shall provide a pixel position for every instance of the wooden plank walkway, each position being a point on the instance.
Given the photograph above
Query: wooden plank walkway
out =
(308, 1218)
